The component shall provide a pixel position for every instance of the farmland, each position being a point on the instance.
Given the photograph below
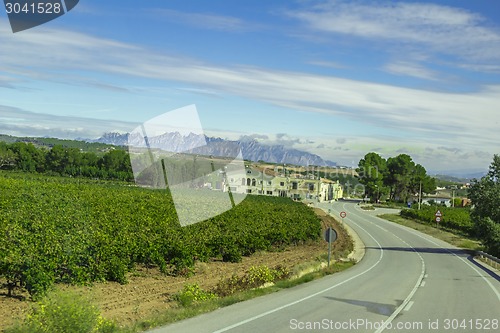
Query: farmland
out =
(78, 231)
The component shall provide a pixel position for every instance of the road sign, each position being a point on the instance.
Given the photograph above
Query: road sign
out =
(438, 214)
(343, 214)
(438, 219)
(330, 234)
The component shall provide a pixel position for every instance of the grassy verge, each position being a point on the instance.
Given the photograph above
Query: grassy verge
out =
(63, 312)
(179, 313)
(444, 235)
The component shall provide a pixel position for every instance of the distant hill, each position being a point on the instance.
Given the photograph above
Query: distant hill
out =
(451, 179)
(82, 144)
(251, 149)
(463, 177)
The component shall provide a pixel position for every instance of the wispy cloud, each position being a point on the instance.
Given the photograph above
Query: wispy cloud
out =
(446, 30)
(377, 104)
(465, 119)
(411, 69)
(7, 82)
(203, 20)
(330, 64)
(19, 122)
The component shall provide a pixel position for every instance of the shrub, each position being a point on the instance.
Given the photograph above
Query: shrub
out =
(453, 218)
(193, 293)
(255, 277)
(64, 312)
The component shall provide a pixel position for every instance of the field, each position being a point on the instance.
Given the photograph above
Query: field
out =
(75, 231)
(67, 231)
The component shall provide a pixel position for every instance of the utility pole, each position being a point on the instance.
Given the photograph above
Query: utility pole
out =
(419, 194)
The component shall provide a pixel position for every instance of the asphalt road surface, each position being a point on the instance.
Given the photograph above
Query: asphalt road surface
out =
(406, 282)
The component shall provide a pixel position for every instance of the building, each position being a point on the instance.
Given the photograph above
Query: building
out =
(296, 186)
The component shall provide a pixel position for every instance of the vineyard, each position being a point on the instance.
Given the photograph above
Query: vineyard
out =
(453, 218)
(64, 230)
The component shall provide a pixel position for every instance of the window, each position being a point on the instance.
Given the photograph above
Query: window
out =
(248, 181)
(311, 186)
(269, 182)
(269, 192)
(295, 185)
(249, 190)
(282, 183)
(254, 182)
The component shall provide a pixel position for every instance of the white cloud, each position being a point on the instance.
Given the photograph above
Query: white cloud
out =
(7, 82)
(443, 29)
(203, 20)
(330, 64)
(468, 120)
(19, 122)
(411, 69)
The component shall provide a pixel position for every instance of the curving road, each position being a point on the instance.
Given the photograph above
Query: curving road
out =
(406, 282)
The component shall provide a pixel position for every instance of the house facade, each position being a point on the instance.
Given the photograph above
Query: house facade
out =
(296, 186)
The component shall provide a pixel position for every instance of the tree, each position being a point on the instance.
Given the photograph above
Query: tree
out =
(421, 182)
(117, 165)
(371, 170)
(485, 197)
(56, 159)
(400, 170)
(7, 157)
(29, 158)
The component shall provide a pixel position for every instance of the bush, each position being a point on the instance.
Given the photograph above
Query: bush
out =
(453, 218)
(489, 232)
(255, 277)
(64, 312)
(193, 293)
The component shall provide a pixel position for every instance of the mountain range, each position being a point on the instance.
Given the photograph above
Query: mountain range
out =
(204, 145)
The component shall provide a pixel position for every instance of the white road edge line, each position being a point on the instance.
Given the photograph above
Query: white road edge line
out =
(465, 262)
(310, 296)
(414, 290)
(497, 293)
(408, 307)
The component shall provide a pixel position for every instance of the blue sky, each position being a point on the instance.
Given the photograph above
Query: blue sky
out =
(335, 78)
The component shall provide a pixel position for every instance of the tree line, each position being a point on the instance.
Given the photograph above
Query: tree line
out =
(60, 160)
(398, 178)
(485, 196)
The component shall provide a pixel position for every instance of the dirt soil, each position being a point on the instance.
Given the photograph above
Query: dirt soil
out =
(149, 292)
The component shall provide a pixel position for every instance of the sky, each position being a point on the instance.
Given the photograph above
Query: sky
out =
(335, 78)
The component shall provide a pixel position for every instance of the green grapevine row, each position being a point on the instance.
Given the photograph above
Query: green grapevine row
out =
(453, 218)
(55, 229)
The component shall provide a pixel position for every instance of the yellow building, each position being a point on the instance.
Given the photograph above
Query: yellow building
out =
(296, 187)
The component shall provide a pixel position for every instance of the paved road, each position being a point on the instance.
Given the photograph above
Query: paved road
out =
(406, 282)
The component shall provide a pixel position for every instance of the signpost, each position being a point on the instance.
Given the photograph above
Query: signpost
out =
(438, 216)
(342, 215)
(330, 237)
